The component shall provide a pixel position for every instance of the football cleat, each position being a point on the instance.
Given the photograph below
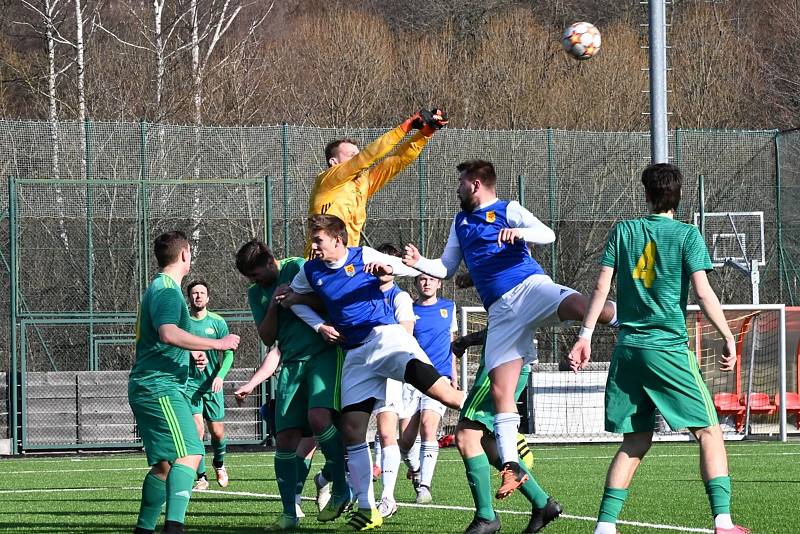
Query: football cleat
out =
(323, 491)
(333, 510)
(540, 517)
(480, 525)
(737, 529)
(201, 484)
(284, 523)
(387, 507)
(222, 476)
(424, 495)
(512, 477)
(365, 519)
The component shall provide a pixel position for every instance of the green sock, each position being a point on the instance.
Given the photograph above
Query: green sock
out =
(611, 504)
(179, 491)
(154, 494)
(286, 474)
(201, 467)
(219, 451)
(303, 466)
(719, 495)
(480, 484)
(330, 443)
(532, 490)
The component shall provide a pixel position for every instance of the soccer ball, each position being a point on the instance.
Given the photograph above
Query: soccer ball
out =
(581, 40)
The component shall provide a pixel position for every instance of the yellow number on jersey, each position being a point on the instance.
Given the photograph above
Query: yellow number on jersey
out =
(646, 266)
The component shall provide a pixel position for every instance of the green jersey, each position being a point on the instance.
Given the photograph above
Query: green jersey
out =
(296, 340)
(215, 327)
(159, 368)
(654, 258)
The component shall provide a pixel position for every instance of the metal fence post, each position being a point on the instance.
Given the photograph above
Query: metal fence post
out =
(421, 206)
(13, 382)
(285, 190)
(90, 245)
(143, 176)
(779, 223)
(268, 210)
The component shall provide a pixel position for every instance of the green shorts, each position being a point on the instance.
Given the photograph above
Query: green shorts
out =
(303, 385)
(166, 426)
(211, 405)
(641, 381)
(479, 406)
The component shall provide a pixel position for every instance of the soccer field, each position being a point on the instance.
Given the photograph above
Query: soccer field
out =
(100, 493)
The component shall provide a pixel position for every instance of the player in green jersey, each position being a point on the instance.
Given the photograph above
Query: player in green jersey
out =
(478, 448)
(655, 258)
(156, 388)
(204, 387)
(308, 384)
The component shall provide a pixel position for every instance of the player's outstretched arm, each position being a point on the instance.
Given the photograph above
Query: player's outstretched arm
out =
(381, 264)
(709, 303)
(171, 334)
(527, 227)
(444, 267)
(344, 172)
(581, 351)
(266, 370)
(428, 123)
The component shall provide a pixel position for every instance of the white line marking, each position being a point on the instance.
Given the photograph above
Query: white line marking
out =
(402, 505)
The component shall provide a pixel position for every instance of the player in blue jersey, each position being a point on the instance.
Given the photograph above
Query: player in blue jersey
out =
(377, 347)
(492, 237)
(434, 329)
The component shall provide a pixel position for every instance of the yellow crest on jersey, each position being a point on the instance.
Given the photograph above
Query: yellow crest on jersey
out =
(443, 313)
(491, 216)
(350, 269)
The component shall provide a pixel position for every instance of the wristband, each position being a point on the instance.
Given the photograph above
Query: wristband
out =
(586, 333)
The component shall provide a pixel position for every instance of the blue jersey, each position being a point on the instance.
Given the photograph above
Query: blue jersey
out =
(390, 294)
(353, 298)
(494, 269)
(433, 330)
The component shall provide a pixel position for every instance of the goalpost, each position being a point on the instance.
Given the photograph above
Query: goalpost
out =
(564, 406)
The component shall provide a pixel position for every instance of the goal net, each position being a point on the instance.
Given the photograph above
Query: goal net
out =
(560, 405)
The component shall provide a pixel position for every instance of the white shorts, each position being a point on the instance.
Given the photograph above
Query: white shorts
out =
(415, 401)
(392, 399)
(385, 353)
(515, 317)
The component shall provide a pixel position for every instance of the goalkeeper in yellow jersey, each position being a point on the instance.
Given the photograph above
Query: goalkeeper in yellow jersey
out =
(353, 175)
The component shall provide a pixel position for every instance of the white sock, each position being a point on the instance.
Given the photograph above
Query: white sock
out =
(378, 449)
(298, 499)
(723, 521)
(411, 456)
(389, 468)
(360, 465)
(605, 528)
(505, 432)
(430, 453)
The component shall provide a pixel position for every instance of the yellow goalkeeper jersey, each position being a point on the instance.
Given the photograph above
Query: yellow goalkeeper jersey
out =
(343, 190)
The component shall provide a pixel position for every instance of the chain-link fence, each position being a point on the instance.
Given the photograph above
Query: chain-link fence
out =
(77, 224)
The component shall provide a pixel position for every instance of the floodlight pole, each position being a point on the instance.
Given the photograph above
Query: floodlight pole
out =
(657, 50)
